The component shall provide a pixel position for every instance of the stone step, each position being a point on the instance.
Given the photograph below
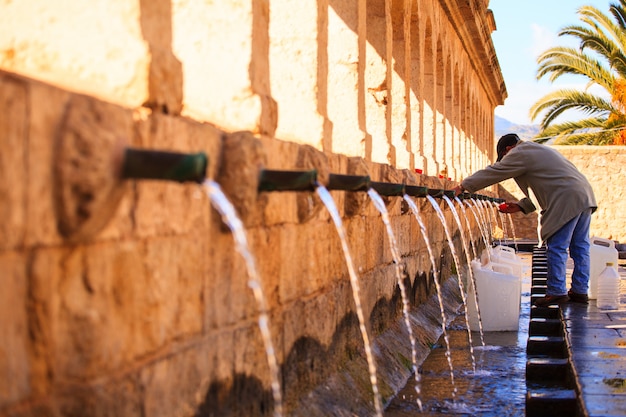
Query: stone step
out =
(549, 312)
(541, 326)
(555, 370)
(547, 346)
(552, 403)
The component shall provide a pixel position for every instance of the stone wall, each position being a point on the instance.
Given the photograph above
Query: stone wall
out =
(124, 298)
(604, 168)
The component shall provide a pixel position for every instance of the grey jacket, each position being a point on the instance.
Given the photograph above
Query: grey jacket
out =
(561, 190)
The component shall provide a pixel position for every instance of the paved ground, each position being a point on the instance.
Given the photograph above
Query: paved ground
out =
(597, 340)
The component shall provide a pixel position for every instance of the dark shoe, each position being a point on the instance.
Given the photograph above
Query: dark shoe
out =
(578, 298)
(549, 300)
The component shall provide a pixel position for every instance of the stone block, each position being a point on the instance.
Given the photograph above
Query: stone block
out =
(160, 207)
(176, 384)
(117, 302)
(88, 158)
(120, 396)
(15, 364)
(13, 161)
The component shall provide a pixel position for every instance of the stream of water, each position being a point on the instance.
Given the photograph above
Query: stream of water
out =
(328, 201)
(457, 262)
(231, 219)
(382, 209)
(436, 279)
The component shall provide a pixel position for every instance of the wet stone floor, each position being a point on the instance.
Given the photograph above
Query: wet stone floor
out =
(497, 388)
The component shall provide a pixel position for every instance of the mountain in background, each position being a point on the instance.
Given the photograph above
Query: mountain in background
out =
(525, 132)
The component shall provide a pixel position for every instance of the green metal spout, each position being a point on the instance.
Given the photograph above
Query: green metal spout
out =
(271, 180)
(388, 189)
(348, 182)
(435, 193)
(449, 194)
(416, 191)
(161, 165)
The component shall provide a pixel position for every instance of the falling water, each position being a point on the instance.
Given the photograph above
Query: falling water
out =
(433, 262)
(468, 258)
(469, 227)
(229, 216)
(328, 201)
(380, 205)
(472, 205)
(486, 221)
(455, 256)
(512, 223)
(498, 213)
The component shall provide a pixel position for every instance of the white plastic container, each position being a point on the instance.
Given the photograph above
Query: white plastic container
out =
(601, 251)
(499, 296)
(504, 255)
(608, 288)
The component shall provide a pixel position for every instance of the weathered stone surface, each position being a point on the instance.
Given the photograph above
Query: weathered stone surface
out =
(13, 165)
(240, 165)
(88, 159)
(15, 365)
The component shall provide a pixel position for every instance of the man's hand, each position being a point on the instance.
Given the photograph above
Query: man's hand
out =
(509, 207)
(458, 190)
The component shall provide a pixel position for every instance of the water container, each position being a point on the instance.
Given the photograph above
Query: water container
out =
(608, 288)
(505, 255)
(601, 251)
(499, 295)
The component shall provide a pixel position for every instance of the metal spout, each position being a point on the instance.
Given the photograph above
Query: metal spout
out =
(416, 191)
(160, 165)
(449, 194)
(435, 193)
(271, 180)
(388, 189)
(348, 182)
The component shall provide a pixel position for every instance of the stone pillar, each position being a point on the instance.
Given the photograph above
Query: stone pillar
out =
(431, 166)
(345, 75)
(226, 77)
(299, 71)
(440, 117)
(399, 73)
(377, 83)
(417, 92)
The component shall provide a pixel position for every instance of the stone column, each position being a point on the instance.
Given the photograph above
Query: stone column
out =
(226, 77)
(345, 75)
(299, 71)
(399, 72)
(377, 81)
(431, 166)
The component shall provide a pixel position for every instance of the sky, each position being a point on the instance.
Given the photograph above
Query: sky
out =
(524, 29)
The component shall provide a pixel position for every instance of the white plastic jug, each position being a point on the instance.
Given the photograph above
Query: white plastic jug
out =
(601, 251)
(499, 296)
(504, 255)
(608, 288)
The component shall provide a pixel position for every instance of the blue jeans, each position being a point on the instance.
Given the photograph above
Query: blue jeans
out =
(574, 235)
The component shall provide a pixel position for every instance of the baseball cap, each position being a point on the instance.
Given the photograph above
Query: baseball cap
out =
(510, 139)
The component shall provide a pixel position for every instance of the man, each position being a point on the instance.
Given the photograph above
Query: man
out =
(567, 202)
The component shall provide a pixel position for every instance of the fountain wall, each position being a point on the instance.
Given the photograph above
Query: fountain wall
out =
(128, 297)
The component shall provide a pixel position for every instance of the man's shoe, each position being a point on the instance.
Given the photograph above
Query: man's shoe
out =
(549, 300)
(578, 298)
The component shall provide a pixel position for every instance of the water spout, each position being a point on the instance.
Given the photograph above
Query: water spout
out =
(160, 165)
(272, 180)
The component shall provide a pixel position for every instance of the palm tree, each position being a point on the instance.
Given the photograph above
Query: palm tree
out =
(601, 59)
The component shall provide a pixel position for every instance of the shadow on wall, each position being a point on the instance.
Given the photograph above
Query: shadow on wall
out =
(318, 379)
